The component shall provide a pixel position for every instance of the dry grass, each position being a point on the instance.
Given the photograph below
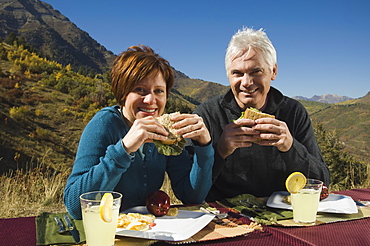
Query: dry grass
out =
(36, 190)
(30, 192)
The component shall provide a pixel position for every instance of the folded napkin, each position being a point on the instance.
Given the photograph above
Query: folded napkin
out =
(47, 230)
(256, 208)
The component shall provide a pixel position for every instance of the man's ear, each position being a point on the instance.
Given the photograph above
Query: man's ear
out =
(274, 72)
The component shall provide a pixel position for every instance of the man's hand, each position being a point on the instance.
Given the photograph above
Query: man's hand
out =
(273, 132)
(236, 135)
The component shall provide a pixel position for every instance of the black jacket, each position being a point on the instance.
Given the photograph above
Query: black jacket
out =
(261, 170)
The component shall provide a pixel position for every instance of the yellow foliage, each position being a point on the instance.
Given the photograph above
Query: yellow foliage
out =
(38, 112)
(27, 73)
(69, 68)
(58, 76)
(19, 112)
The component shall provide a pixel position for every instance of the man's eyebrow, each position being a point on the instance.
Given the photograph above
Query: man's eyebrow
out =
(235, 70)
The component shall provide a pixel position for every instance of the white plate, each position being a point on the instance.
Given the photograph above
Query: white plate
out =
(170, 228)
(334, 203)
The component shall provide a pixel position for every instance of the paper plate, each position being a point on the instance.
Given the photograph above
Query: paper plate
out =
(170, 228)
(334, 203)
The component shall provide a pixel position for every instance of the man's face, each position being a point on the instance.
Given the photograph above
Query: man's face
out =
(250, 78)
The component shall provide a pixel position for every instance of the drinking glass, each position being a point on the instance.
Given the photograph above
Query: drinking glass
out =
(306, 202)
(97, 231)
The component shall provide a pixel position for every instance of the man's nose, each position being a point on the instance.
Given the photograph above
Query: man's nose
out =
(246, 80)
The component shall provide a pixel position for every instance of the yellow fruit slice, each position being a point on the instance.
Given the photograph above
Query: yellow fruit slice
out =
(295, 182)
(173, 212)
(106, 207)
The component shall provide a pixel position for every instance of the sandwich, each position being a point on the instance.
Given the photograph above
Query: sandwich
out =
(254, 114)
(174, 143)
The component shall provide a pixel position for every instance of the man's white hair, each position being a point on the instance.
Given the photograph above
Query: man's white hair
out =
(248, 38)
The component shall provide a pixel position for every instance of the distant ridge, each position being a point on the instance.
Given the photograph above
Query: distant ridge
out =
(327, 98)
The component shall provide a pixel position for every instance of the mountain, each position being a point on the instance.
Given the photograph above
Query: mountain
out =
(52, 34)
(327, 98)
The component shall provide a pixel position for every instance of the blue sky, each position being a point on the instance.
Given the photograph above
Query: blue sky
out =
(323, 46)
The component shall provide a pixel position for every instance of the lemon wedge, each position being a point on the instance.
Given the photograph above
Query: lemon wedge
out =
(295, 182)
(106, 207)
(173, 212)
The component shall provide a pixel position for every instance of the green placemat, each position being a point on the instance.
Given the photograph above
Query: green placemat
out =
(256, 208)
(47, 230)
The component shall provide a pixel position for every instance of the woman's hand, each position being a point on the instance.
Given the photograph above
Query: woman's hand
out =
(142, 131)
(192, 126)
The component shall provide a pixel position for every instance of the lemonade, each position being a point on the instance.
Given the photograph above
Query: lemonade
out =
(305, 204)
(100, 211)
(97, 231)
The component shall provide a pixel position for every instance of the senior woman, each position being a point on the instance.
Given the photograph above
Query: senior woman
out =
(116, 150)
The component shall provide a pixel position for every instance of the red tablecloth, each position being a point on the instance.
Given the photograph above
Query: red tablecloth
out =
(22, 232)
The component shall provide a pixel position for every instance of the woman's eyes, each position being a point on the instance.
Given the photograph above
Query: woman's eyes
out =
(139, 90)
(143, 91)
(159, 91)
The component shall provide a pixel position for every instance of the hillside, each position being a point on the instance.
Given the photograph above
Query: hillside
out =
(197, 89)
(313, 107)
(52, 34)
(42, 130)
(351, 120)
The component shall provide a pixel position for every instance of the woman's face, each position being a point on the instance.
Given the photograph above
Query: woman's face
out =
(250, 78)
(147, 98)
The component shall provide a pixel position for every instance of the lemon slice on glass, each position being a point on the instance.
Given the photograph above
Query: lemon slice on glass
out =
(106, 207)
(295, 182)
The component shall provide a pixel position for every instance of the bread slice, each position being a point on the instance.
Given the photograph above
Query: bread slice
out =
(254, 114)
(166, 121)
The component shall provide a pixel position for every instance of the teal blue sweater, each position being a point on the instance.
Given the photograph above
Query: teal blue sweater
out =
(103, 164)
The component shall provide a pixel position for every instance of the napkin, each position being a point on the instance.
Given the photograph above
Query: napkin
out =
(47, 230)
(256, 208)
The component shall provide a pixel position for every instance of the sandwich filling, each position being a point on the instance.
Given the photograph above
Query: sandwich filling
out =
(174, 143)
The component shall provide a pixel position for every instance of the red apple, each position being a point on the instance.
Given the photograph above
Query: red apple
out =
(324, 192)
(158, 203)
